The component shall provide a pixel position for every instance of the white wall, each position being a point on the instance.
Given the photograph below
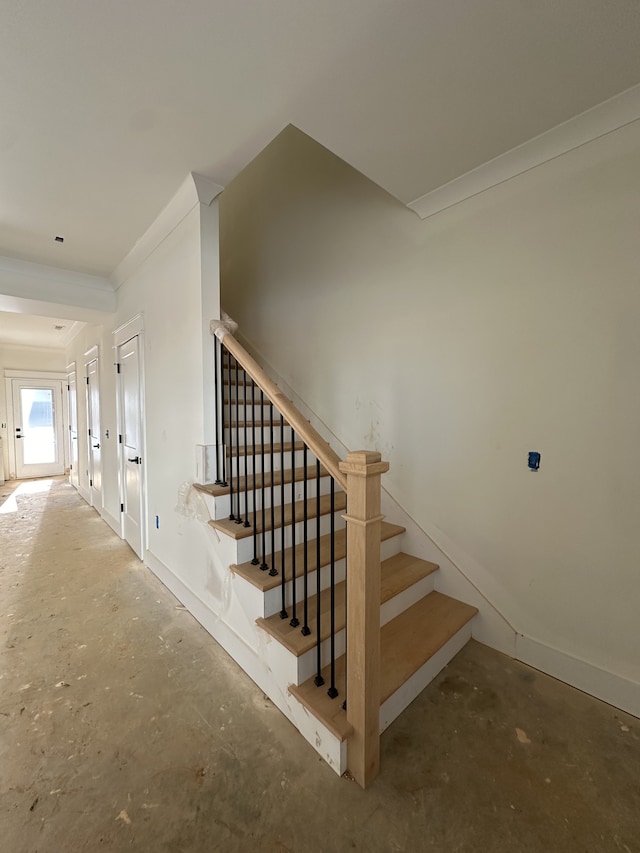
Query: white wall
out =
(167, 288)
(455, 345)
(23, 358)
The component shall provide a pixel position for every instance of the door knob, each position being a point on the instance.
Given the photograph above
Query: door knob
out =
(96, 445)
(135, 459)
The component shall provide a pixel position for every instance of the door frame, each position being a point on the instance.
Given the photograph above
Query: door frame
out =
(74, 476)
(131, 329)
(91, 355)
(30, 376)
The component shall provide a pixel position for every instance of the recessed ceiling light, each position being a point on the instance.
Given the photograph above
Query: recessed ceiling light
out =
(59, 239)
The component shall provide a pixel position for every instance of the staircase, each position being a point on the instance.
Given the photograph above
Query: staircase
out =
(287, 529)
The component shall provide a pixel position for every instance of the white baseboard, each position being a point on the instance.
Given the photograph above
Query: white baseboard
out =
(612, 688)
(84, 494)
(112, 521)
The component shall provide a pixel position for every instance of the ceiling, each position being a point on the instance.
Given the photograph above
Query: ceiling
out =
(106, 107)
(27, 330)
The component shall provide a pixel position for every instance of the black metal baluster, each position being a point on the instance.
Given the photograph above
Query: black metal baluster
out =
(230, 425)
(305, 630)
(238, 514)
(273, 571)
(264, 565)
(318, 680)
(346, 592)
(294, 617)
(216, 388)
(246, 458)
(332, 692)
(223, 454)
(283, 612)
(255, 560)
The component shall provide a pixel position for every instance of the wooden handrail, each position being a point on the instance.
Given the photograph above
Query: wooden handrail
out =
(329, 459)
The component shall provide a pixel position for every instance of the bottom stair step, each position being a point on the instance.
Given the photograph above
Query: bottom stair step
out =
(407, 643)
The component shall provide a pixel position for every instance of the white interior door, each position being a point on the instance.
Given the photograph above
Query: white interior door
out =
(94, 434)
(72, 402)
(38, 427)
(130, 438)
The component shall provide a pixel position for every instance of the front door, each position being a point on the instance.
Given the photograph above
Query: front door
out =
(72, 400)
(38, 423)
(94, 435)
(130, 428)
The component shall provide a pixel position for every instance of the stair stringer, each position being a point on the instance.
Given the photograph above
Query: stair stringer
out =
(225, 605)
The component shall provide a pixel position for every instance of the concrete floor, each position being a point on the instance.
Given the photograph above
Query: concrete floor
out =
(123, 726)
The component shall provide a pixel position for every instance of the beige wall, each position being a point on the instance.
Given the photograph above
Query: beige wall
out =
(455, 345)
(23, 358)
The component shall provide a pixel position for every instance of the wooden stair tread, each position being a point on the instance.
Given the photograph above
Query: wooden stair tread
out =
(263, 480)
(329, 711)
(396, 574)
(263, 581)
(259, 424)
(247, 381)
(400, 572)
(238, 531)
(409, 640)
(406, 643)
(264, 448)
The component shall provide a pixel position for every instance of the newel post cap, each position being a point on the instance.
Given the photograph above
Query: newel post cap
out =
(364, 463)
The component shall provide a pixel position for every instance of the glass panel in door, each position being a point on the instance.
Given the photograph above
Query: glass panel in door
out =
(38, 432)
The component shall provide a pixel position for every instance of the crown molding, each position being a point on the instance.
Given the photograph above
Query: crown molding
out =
(609, 116)
(195, 189)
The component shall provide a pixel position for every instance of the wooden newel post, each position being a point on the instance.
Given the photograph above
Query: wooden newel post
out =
(363, 470)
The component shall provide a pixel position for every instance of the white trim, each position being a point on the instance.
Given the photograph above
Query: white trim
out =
(84, 494)
(9, 374)
(111, 520)
(195, 189)
(611, 115)
(34, 374)
(132, 328)
(72, 373)
(75, 327)
(24, 281)
(128, 330)
(610, 687)
(32, 377)
(91, 355)
(57, 274)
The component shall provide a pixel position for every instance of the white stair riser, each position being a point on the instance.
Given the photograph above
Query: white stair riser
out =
(307, 663)
(273, 597)
(219, 506)
(271, 601)
(256, 412)
(245, 546)
(239, 464)
(403, 600)
(236, 437)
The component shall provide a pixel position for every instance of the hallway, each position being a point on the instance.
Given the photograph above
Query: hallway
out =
(123, 726)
